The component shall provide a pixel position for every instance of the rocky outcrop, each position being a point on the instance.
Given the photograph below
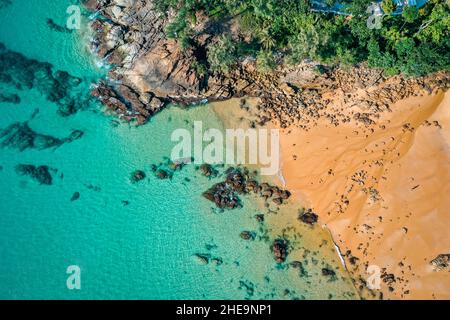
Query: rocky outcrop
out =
(226, 194)
(308, 217)
(441, 262)
(130, 35)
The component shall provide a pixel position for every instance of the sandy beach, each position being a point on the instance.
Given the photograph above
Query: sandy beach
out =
(382, 191)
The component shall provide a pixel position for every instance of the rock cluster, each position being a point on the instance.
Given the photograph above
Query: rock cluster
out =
(441, 262)
(241, 182)
(158, 71)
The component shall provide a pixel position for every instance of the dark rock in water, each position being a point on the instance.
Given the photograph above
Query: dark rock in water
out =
(93, 188)
(259, 217)
(280, 250)
(177, 165)
(248, 286)
(138, 175)
(41, 174)
(247, 235)
(239, 182)
(162, 174)
(202, 258)
(308, 217)
(56, 27)
(208, 171)
(223, 195)
(125, 202)
(328, 272)
(75, 196)
(10, 98)
(277, 201)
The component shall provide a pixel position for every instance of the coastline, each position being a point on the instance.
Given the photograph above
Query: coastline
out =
(343, 134)
(361, 188)
(419, 127)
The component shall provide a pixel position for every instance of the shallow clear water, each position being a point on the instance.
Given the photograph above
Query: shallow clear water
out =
(141, 250)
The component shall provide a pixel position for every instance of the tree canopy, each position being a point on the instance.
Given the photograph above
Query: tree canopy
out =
(414, 43)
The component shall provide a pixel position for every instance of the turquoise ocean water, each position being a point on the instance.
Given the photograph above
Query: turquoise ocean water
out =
(141, 250)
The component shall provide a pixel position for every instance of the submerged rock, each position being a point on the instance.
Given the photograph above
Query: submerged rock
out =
(56, 27)
(308, 217)
(247, 235)
(208, 171)
(137, 176)
(20, 136)
(10, 98)
(240, 182)
(223, 195)
(280, 250)
(328, 272)
(41, 173)
(202, 259)
(217, 261)
(75, 196)
(57, 86)
(162, 174)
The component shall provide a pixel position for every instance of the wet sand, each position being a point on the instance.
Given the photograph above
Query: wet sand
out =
(384, 195)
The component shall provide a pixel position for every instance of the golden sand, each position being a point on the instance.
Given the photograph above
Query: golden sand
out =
(385, 195)
(382, 191)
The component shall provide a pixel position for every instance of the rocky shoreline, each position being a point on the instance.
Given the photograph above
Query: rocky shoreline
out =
(151, 71)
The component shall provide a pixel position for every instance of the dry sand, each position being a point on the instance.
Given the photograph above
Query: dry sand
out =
(385, 195)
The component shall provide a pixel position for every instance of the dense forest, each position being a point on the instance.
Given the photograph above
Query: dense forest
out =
(415, 42)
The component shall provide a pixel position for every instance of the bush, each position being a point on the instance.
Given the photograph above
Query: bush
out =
(222, 55)
(265, 61)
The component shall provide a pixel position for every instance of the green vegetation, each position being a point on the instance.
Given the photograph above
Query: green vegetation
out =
(414, 43)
